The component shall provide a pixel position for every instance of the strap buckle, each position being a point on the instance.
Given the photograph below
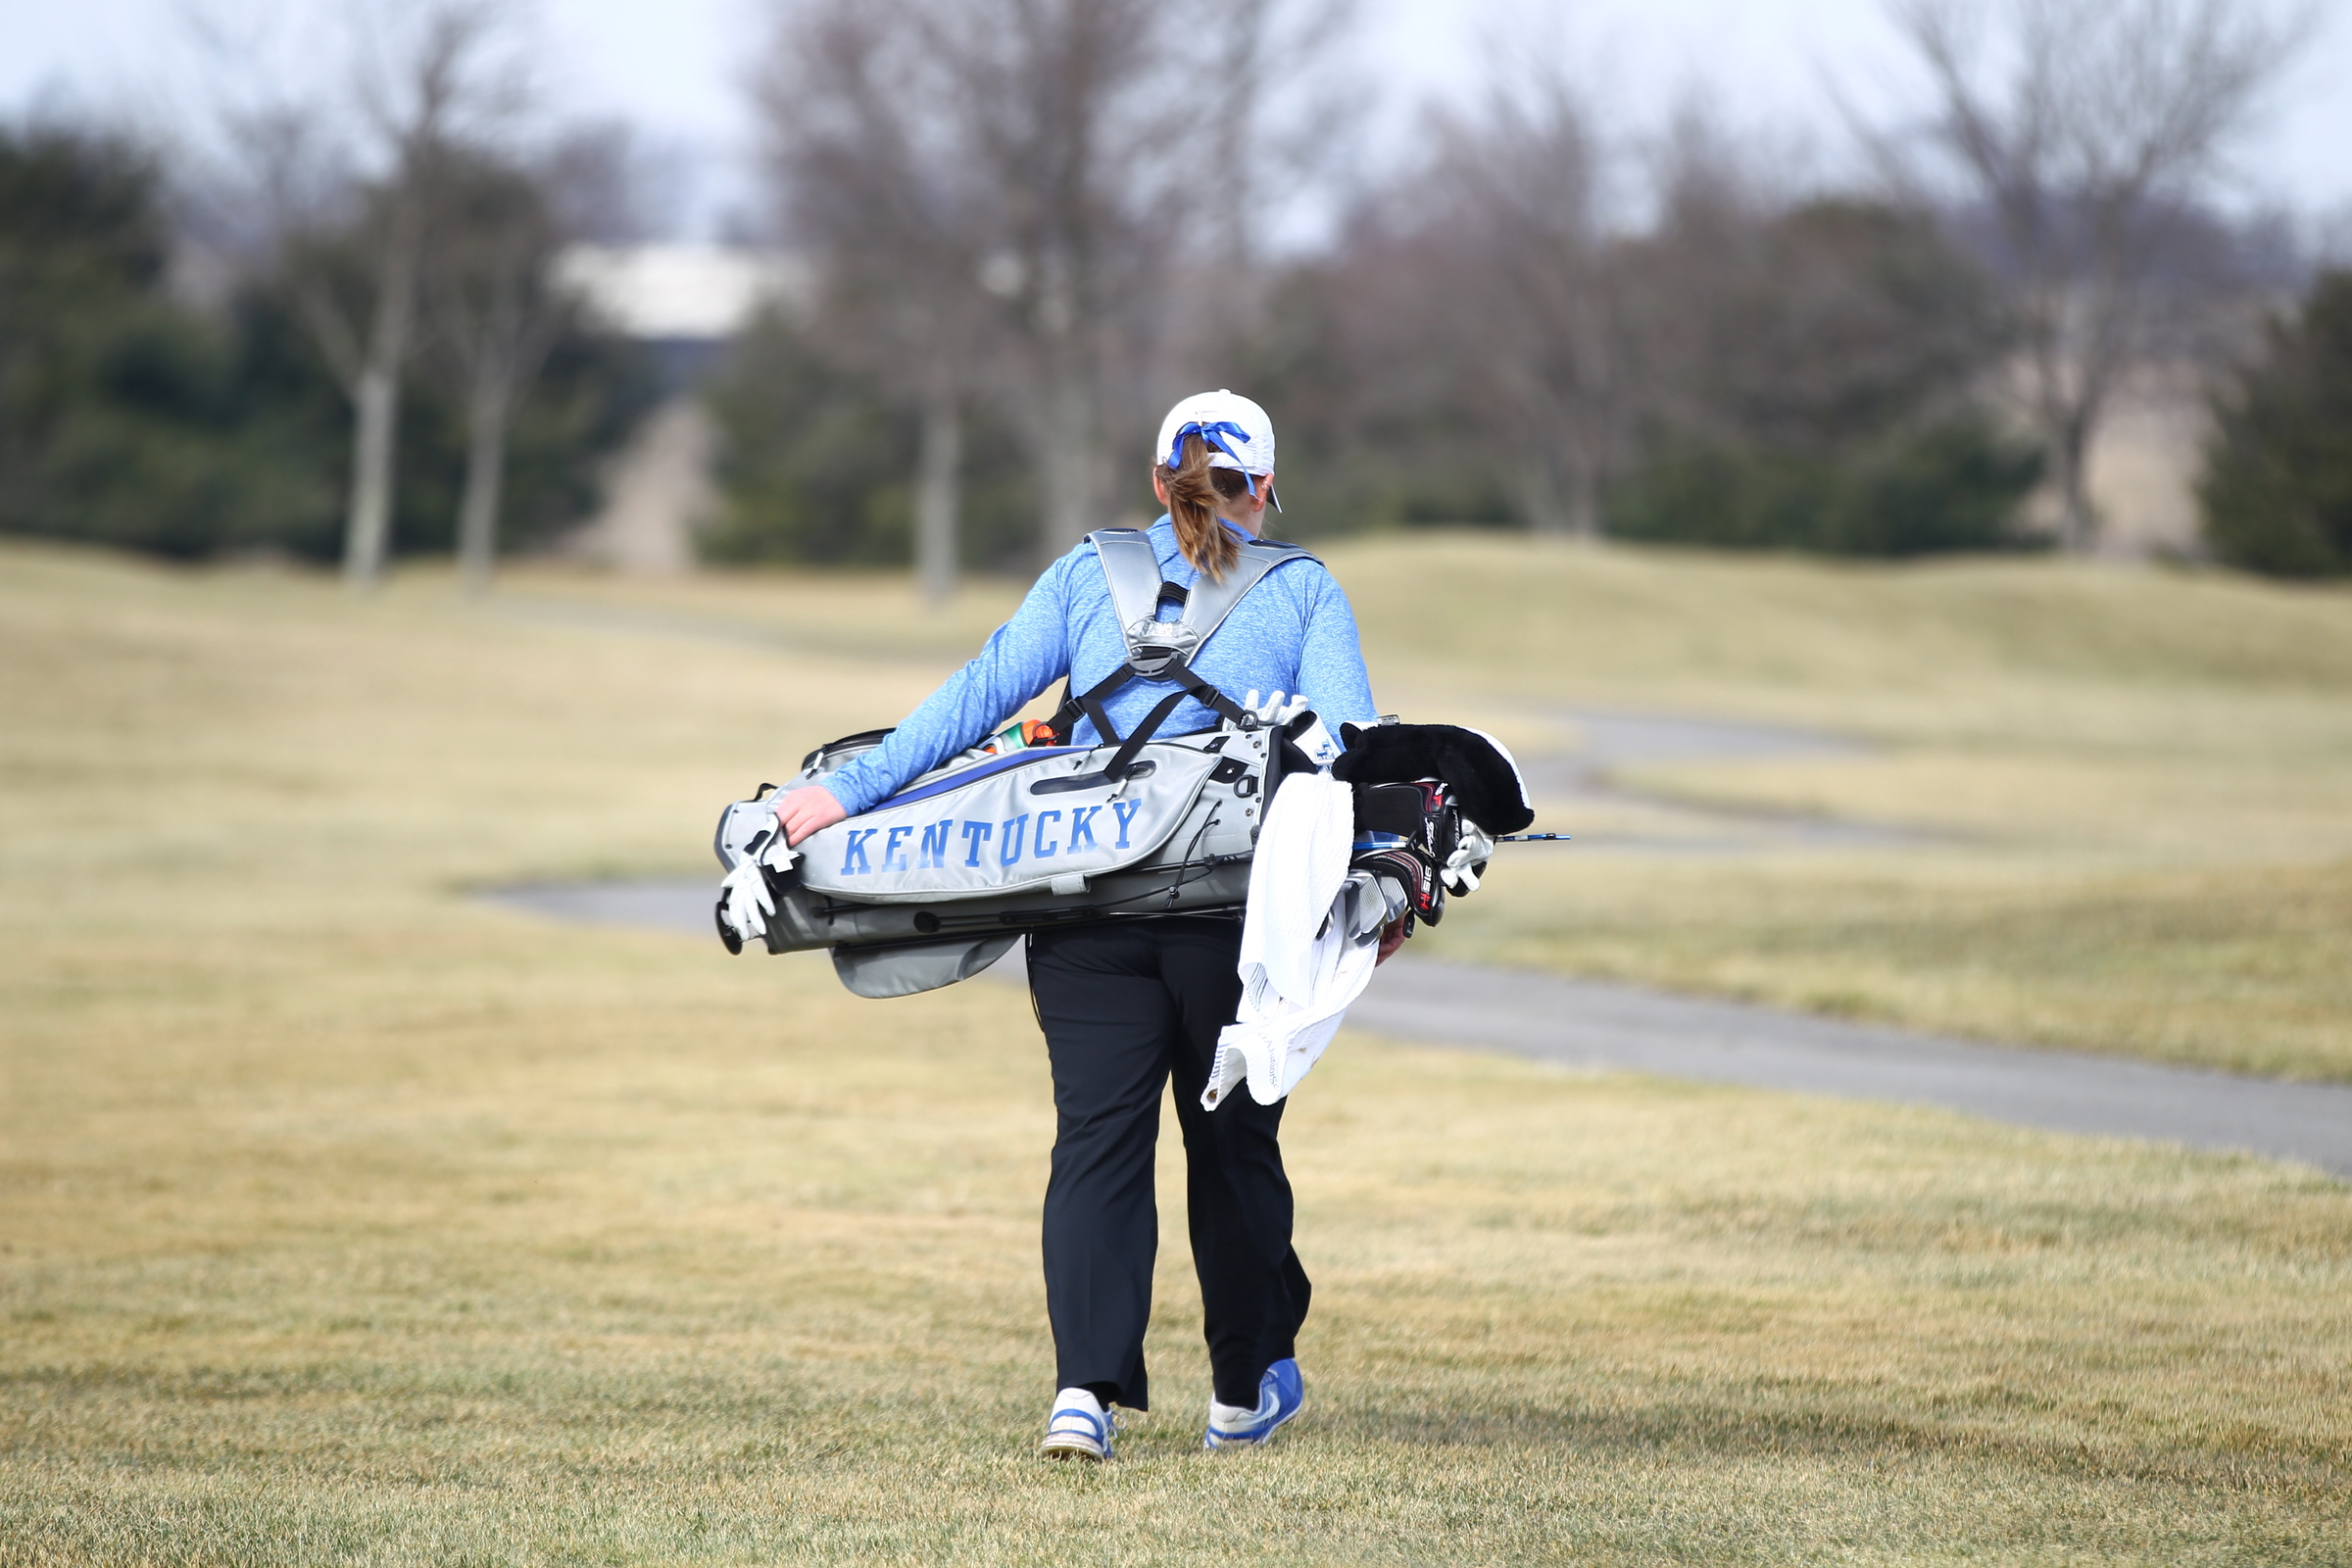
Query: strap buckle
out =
(1154, 646)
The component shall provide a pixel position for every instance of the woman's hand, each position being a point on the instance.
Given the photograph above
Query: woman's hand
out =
(1392, 937)
(811, 809)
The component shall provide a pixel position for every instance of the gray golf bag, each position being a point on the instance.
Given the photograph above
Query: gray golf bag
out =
(937, 882)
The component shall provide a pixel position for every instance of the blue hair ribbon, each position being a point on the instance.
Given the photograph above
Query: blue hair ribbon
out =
(1215, 435)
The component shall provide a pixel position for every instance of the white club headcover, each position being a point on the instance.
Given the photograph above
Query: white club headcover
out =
(1316, 742)
(1279, 708)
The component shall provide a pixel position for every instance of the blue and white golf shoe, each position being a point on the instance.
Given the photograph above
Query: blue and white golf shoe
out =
(1281, 1394)
(1079, 1428)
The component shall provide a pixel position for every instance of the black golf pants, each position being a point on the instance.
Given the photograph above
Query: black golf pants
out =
(1123, 1007)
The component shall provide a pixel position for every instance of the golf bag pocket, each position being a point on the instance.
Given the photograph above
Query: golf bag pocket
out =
(1048, 818)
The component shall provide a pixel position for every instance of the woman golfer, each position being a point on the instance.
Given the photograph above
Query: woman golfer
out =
(1125, 1004)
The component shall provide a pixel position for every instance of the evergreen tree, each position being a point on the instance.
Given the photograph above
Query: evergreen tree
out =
(2277, 483)
(130, 419)
(123, 415)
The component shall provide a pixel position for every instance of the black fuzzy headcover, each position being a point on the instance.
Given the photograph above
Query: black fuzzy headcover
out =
(1484, 784)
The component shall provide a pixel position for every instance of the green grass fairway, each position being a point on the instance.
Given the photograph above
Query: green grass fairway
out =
(346, 1220)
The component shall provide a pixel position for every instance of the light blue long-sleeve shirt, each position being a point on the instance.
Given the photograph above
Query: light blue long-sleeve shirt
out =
(1293, 632)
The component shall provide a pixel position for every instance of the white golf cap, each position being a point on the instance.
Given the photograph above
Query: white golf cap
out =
(1237, 433)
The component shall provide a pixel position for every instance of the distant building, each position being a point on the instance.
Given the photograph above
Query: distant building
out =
(2145, 463)
(686, 303)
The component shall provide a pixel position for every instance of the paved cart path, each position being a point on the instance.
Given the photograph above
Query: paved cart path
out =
(1585, 1023)
(1576, 787)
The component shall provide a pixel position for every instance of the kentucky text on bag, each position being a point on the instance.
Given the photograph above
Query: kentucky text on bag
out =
(1013, 837)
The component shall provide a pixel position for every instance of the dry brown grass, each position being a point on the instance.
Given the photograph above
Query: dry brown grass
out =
(345, 1220)
(2134, 787)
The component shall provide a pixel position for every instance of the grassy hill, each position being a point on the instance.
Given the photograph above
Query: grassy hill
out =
(344, 1219)
(2132, 790)
(2134, 787)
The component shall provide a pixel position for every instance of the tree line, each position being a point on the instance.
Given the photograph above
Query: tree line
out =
(325, 327)
(1032, 222)
(1036, 221)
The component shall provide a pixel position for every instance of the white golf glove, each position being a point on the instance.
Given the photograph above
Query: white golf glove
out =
(743, 898)
(1275, 709)
(1473, 851)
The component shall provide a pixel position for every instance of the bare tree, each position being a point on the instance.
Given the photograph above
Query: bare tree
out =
(1482, 304)
(490, 298)
(2081, 125)
(1690, 276)
(874, 177)
(1077, 114)
(364, 167)
(1534, 300)
(1041, 170)
(494, 315)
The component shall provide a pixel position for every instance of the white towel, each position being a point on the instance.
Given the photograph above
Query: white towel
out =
(1305, 949)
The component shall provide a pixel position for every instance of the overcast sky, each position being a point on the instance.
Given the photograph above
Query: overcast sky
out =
(674, 68)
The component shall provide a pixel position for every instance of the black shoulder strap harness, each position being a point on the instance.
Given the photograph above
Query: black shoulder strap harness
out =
(1161, 650)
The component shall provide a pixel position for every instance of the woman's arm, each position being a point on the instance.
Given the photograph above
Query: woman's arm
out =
(1025, 655)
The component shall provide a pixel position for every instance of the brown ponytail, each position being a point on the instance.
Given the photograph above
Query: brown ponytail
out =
(1195, 492)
